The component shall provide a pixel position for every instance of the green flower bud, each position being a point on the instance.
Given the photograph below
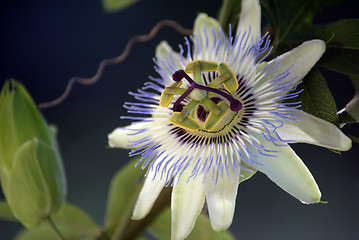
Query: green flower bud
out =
(32, 175)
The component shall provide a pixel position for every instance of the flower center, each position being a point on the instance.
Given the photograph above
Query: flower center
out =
(203, 108)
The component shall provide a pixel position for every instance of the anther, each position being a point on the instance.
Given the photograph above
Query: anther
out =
(235, 105)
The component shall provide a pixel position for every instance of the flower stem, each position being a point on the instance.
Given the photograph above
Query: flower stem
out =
(56, 231)
(225, 13)
(136, 227)
(350, 114)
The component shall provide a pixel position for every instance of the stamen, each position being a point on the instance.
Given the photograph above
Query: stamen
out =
(167, 95)
(235, 104)
(176, 106)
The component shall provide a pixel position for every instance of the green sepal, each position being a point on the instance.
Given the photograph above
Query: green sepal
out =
(213, 120)
(188, 123)
(231, 85)
(36, 184)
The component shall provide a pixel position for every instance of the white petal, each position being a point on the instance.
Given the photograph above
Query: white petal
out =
(288, 171)
(148, 195)
(168, 61)
(205, 23)
(246, 174)
(250, 17)
(204, 27)
(221, 200)
(299, 61)
(313, 130)
(165, 51)
(125, 137)
(187, 203)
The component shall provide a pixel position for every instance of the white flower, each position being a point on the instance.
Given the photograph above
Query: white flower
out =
(216, 115)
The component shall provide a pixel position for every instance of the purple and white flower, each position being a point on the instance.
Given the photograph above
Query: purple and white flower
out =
(217, 114)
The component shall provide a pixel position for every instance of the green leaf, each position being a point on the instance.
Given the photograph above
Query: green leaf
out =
(124, 189)
(116, 5)
(72, 222)
(342, 54)
(291, 21)
(5, 212)
(316, 98)
(42, 232)
(161, 228)
(76, 220)
(36, 184)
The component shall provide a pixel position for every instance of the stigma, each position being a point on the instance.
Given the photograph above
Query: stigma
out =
(200, 107)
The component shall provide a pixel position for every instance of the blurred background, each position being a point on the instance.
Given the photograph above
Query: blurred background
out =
(44, 43)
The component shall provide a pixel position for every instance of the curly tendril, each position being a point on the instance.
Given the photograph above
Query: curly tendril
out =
(116, 60)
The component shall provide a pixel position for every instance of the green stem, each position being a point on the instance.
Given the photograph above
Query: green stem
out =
(136, 228)
(350, 114)
(355, 81)
(224, 13)
(354, 138)
(55, 229)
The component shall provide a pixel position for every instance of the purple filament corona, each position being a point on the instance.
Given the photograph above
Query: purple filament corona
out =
(235, 105)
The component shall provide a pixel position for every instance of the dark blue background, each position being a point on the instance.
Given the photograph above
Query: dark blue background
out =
(44, 43)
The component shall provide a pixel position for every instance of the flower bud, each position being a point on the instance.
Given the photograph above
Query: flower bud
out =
(32, 175)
